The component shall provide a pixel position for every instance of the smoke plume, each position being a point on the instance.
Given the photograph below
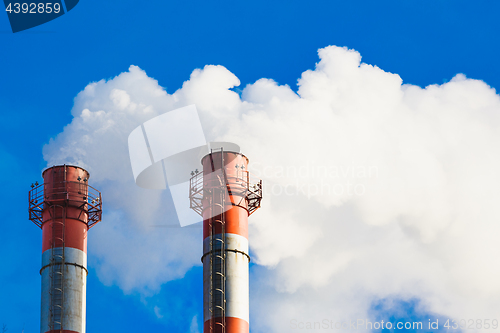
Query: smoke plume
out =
(374, 189)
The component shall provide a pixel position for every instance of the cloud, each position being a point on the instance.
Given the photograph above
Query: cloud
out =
(374, 188)
(157, 312)
(193, 328)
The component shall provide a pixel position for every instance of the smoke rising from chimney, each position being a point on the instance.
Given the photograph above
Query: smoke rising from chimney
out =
(424, 225)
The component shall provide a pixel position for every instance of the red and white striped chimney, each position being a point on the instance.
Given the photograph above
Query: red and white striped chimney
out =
(225, 196)
(65, 207)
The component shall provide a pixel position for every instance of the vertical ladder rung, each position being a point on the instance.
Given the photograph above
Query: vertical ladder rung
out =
(56, 272)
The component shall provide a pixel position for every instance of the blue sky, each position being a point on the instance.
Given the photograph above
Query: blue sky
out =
(44, 68)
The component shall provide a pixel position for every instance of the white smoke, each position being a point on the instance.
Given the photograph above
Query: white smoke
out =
(374, 188)
(137, 248)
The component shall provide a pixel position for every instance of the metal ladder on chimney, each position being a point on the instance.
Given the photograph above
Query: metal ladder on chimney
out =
(57, 264)
(217, 250)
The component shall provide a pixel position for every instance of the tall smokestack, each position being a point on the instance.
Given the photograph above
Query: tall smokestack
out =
(65, 207)
(224, 195)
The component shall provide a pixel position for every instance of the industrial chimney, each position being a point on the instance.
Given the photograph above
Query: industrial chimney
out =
(224, 195)
(65, 207)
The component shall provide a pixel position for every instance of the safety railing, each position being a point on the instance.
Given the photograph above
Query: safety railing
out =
(196, 193)
(243, 184)
(67, 193)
